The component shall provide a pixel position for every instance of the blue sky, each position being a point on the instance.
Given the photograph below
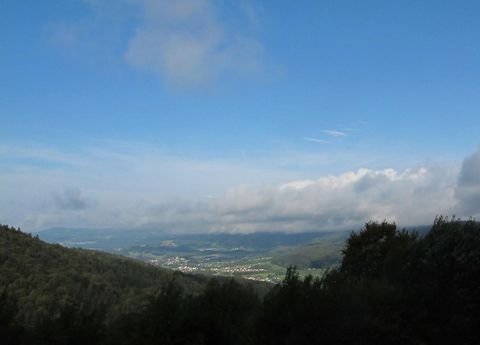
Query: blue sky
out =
(151, 104)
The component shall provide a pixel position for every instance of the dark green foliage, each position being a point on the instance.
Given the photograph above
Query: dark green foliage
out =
(392, 287)
(72, 326)
(10, 330)
(51, 288)
(447, 280)
(375, 251)
(222, 314)
(291, 313)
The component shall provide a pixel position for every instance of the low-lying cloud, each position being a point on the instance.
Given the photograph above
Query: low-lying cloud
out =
(332, 202)
(70, 199)
(181, 195)
(468, 187)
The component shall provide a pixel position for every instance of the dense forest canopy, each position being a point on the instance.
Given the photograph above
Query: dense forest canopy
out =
(391, 287)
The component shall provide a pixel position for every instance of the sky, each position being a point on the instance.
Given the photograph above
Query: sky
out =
(238, 116)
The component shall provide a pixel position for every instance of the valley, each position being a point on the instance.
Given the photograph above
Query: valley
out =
(258, 256)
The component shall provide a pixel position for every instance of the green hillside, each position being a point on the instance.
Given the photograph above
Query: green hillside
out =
(391, 286)
(44, 279)
(323, 252)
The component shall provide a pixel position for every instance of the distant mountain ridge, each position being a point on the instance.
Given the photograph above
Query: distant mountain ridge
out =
(107, 239)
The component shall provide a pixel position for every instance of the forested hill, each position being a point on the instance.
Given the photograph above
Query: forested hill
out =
(392, 287)
(46, 279)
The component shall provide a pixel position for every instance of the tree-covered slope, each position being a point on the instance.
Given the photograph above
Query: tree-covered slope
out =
(44, 279)
(323, 252)
(392, 286)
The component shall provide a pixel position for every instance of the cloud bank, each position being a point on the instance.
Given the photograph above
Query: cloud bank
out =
(342, 201)
(132, 190)
(468, 187)
(70, 199)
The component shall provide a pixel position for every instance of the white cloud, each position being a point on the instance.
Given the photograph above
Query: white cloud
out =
(315, 140)
(334, 133)
(138, 186)
(142, 187)
(187, 43)
(468, 187)
(342, 201)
